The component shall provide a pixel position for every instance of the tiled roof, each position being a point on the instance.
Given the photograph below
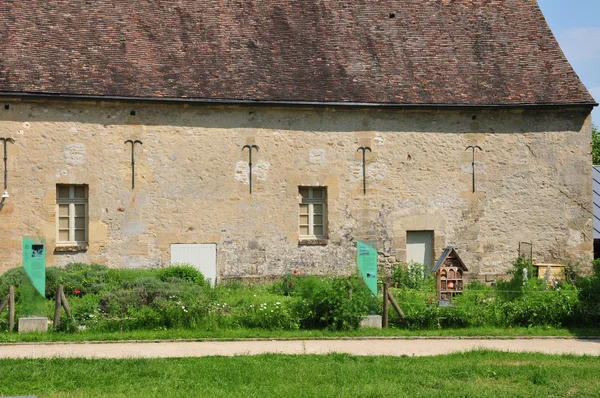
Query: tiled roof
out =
(462, 52)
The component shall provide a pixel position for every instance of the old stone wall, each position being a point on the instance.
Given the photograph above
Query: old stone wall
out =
(533, 182)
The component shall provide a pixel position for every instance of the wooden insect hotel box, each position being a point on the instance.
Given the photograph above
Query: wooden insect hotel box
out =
(449, 274)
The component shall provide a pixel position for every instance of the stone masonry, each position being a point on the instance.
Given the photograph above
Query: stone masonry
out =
(533, 180)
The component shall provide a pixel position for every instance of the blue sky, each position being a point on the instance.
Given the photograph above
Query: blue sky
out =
(576, 25)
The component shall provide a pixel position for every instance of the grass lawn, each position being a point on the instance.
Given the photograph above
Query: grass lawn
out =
(178, 334)
(474, 374)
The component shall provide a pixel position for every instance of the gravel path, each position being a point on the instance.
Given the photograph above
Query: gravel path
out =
(391, 347)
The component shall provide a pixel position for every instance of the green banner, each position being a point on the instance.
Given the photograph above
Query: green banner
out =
(366, 258)
(34, 262)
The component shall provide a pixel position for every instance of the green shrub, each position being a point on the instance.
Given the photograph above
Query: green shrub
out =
(411, 276)
(14, 277)
(150, 303)
(182, 272)
(552, 307)
(116, 276)
(273, 315)
(326, 303)
(86, 278)
(523, 279)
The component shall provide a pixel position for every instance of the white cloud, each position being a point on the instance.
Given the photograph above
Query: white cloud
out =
(580, 44)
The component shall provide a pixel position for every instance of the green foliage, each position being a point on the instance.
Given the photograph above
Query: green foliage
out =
(153, 303)
(128, 300)
(523, 279)
(85, 278)
(326, 303)
(411, 276)
(12, 277)
(595, 145)
(116, 276)
(183, 272)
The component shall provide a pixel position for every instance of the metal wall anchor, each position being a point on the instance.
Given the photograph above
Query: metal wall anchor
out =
(5, 140)
(364, 149)
(250, 147)
(133, 142)
(473, 147)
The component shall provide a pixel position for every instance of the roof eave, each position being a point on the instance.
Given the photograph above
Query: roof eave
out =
(341, 104)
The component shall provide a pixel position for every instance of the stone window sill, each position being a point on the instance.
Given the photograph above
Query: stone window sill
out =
(312, 242)
(70, 248)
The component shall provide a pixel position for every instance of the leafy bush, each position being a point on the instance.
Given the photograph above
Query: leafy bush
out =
(326, 303)
(411, 276)
(150, 303)
(14, 277)
(85, 278)
(272, 315)
(552, 307)
(588, 310)
(183, 272)
(116, 276)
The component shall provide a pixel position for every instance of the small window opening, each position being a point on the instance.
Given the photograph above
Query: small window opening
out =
(6, 106)
(132, 113)
(392, 15)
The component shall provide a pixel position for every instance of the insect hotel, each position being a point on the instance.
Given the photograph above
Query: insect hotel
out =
(449, 274)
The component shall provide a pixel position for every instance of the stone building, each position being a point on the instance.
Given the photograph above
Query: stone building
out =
(308, 83)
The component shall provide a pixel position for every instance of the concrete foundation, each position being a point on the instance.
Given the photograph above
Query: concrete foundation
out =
(371, 321)
(33, 324)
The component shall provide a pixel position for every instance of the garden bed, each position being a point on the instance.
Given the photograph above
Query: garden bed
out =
(176, 302)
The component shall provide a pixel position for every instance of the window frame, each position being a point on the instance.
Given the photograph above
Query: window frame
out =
(72, 201)
(310, 201)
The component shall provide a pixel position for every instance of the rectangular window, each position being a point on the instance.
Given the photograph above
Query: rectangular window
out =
(71, 214)
(312, 213)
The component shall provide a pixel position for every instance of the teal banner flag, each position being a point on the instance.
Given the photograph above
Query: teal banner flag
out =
(366, 258)
(34, 262)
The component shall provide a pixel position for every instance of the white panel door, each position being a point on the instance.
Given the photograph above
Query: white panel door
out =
(419, 247)
(202, 256)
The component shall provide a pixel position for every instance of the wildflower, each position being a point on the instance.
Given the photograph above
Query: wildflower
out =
(292, 283)
(295, 272)
(77, 291)
(431, 299)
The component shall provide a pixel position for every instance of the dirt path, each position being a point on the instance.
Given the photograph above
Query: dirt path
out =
(392, 347)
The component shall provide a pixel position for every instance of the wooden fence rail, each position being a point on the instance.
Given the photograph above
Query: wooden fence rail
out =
(60, 301)
(389, 298)
(9, 301)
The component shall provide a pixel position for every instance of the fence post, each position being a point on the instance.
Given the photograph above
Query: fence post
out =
(384, 318)
(65, 304)
(57, 304)
(11, 308)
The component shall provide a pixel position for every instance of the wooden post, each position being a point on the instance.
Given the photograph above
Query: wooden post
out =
(384, 318)
(397, 308)
(65, 304)
(57, 304)
(11, 308)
